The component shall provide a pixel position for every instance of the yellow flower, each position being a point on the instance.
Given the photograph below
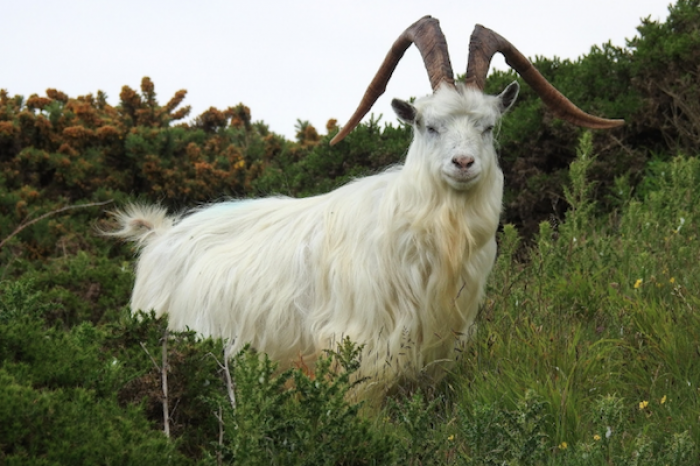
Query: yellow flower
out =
(672, 280)
(451, 437)
(563, 446)
(663, 399)
(638, 283)
(643, 404)
(596, 437)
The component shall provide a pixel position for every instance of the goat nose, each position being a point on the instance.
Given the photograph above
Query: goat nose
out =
(463, 162)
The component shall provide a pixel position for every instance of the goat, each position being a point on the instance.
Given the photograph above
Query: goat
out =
(397, 261)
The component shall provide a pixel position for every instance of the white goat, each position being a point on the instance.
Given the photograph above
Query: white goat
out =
(396, 261)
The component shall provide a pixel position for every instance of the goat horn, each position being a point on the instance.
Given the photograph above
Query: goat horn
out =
(429, 39)
(484, 43)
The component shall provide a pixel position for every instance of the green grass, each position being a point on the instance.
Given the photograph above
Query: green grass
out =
(599, 327)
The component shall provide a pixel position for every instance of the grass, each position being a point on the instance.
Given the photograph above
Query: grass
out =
(599, 329)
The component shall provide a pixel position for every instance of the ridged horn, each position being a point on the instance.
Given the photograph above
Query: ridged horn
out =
(430, 41)
(484, 43)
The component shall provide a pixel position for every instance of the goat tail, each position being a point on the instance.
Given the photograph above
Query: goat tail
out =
(141, 223)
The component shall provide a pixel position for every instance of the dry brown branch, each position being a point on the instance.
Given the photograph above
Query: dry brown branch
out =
(685, 115)
(26, 223)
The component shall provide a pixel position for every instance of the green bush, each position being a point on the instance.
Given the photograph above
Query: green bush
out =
(58, 393)
(310, 423)
(73, 426)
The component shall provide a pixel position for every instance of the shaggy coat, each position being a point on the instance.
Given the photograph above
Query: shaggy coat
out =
(396, 261)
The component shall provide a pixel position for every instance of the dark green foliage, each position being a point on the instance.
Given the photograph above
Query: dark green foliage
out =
(58, 392)
(310, 423)
(664, 66)
(41, 355)
(536, 149)
(74, 394)
(83, 288)
(368, 149)
(73, 426)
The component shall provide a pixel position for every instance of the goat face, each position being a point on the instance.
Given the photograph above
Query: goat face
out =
(453, 127)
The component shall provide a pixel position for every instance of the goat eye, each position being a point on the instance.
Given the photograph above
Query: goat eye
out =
(432, 130)
(487, 130)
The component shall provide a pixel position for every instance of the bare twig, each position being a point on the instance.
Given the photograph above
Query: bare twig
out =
(155, 364)
(163, 368)
(685, 117)
(228, 379)
(164, 380)
(220, 418)
(621, 144)
(227, 373)
(26, 224)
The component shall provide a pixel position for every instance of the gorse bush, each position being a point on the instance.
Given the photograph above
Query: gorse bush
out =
(73, 147)
(57, 150)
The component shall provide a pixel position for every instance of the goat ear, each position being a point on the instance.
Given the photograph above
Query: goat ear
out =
(405, 111)
(508, 96)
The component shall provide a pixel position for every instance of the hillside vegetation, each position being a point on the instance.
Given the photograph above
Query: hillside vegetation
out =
(588, 345)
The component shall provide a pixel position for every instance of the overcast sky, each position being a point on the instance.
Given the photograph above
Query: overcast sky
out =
(286, 60)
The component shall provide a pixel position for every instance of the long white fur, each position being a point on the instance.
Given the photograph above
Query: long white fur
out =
(397, 261)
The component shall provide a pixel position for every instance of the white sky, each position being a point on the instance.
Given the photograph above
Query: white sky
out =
(286, 60)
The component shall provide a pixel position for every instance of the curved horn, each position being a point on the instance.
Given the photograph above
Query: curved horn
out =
(484, 43)
(430, 40)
